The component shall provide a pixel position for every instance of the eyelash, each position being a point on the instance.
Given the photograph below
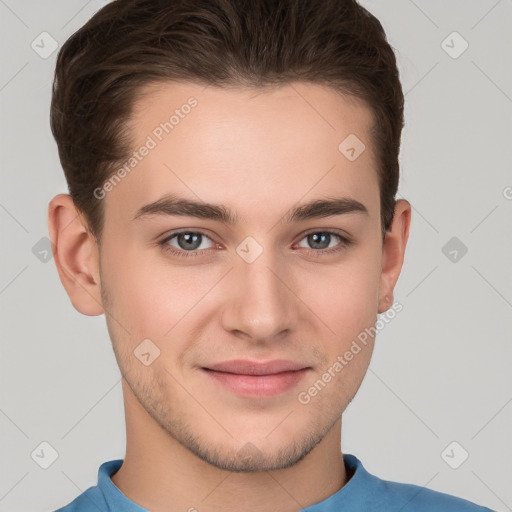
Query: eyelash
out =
(344, 243)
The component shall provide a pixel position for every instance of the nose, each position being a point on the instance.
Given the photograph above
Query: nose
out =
(261, 301)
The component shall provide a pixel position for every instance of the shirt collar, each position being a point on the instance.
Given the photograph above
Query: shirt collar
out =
(115, 499)
(360, 492)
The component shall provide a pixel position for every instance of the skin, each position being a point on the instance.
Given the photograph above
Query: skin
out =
(190, 441)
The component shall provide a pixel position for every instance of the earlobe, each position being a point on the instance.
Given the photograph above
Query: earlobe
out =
(393, 252)
(75, 254)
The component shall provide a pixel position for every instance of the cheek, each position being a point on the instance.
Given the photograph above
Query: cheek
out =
(344, 297)
(155, 299)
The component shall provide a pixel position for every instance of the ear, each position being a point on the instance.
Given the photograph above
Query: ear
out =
(76, 255)
(393, 251)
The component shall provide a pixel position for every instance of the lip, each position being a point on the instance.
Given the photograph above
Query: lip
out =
(257, 379)
(247, 367)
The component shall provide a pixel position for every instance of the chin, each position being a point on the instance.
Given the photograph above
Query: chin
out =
(250, 458)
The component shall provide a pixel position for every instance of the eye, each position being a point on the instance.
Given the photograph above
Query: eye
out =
(325, 241)
(186, 243)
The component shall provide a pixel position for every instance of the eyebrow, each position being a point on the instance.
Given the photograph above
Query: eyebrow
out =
(170, 205)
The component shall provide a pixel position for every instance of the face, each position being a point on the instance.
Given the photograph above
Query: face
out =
(256, 284)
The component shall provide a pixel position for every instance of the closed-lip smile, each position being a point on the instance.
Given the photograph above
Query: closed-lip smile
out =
(255, 378)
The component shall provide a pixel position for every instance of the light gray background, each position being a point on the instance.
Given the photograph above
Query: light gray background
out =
(441, 369)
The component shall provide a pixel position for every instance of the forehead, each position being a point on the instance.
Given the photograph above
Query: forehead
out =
(247, 147)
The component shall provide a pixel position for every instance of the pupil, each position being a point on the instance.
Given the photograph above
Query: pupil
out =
(314, 240)
(193, 240)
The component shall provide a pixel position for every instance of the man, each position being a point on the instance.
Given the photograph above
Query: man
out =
(232, 168)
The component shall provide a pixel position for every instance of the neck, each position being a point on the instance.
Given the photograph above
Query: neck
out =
(161, 475)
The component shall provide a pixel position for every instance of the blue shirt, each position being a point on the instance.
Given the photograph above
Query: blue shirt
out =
(363, 492)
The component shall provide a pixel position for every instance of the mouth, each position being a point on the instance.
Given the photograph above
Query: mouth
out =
(256, 379)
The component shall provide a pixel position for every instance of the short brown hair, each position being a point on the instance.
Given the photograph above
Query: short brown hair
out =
(249, 43)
